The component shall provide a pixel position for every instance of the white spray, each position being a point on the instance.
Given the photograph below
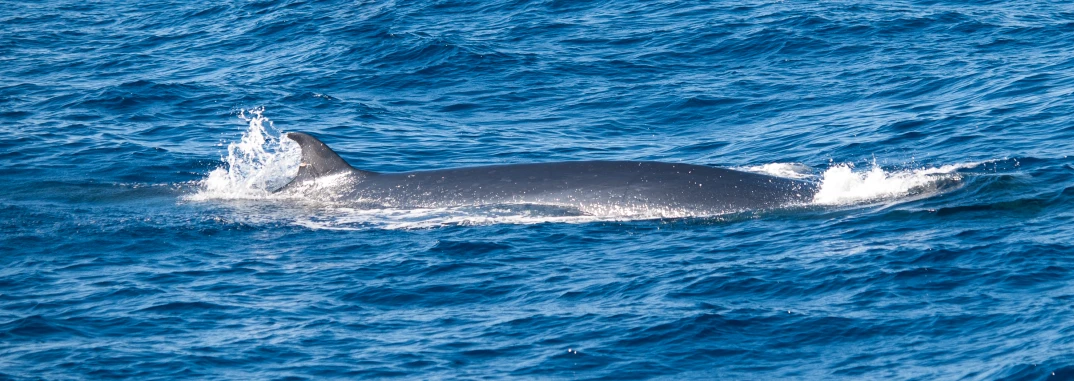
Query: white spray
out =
(255, 166)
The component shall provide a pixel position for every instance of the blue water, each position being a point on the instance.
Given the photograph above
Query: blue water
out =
(138, 238)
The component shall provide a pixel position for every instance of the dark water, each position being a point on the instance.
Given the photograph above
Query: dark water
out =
(941, 133)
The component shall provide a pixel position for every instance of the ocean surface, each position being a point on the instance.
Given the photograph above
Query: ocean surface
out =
(140, 239)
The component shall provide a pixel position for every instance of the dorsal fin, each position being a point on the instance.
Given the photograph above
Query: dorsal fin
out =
(318, 160)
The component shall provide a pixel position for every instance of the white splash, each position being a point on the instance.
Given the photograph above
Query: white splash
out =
(841, 185)
(259, 163)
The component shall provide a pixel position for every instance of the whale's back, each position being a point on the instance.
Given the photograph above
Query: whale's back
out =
(593, 187)
(590, 185)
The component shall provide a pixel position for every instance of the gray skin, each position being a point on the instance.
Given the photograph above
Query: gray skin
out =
(590, 187)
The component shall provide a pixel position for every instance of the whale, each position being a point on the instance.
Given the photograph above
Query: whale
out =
(600, 188)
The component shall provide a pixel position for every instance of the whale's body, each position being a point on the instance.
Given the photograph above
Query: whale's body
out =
(590, 187)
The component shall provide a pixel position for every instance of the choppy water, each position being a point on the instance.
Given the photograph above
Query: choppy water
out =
(137, 238)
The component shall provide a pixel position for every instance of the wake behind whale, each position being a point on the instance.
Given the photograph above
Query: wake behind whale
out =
(595, 188)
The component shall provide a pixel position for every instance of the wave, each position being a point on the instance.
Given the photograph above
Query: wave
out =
(841, 185)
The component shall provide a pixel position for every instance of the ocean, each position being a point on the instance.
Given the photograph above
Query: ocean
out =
(140, 237)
